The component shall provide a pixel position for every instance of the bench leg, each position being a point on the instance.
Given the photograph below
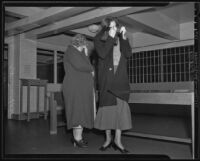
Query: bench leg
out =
(21, 102)
(28, 103)
(45, 102)
(38, 102)
(53, 115)
(193, 126)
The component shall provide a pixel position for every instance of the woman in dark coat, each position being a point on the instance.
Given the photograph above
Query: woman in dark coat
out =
(113, 112)
(78, 89)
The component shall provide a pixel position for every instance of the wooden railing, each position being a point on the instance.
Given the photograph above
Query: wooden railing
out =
(32, 82)
(179, 93)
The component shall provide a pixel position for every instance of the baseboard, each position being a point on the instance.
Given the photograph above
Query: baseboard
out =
(33, 115)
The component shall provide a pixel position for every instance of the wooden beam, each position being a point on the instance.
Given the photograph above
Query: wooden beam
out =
(55, 66)
(42, 45)
(155, 23)
(68, 33)
(169, 86)
(23, 11)
(171, 44)
(13, 15)
(161, 98)
(85, 19)
(131, 25)
(72, 33)
(84, 31)
(45, 17)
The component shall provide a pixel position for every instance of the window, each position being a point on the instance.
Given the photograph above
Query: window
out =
(163, 65)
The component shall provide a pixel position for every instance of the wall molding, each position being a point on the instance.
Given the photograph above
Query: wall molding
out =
(164, 45)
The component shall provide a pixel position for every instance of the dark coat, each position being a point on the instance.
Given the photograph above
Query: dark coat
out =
(112, 85)
(78, 89)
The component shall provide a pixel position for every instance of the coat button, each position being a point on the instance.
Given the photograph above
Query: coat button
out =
(110, 68)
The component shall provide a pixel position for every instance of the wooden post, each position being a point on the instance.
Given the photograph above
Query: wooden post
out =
(28, 102)
(45, 102)
(21, 100)
(55, 66)
(53, 115)
(193, 125)
(38, 100)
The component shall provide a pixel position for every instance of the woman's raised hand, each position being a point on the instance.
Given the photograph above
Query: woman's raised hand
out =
(92, 73)
(86, 50)
(123, 31)
(112, 31)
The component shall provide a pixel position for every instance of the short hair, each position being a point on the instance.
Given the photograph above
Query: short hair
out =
(79, 40)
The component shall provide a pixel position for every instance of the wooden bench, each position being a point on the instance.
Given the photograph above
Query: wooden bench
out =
(179, 93)
(174, 93)
(52, 89)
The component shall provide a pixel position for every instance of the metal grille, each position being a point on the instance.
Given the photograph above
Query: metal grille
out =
(163, 65)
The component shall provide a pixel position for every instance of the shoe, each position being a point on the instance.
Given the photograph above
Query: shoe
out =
(85, 141)
(123, 151)
(81, 143)
(102, 148)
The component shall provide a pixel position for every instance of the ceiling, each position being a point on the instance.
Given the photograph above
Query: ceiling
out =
(9, 19)
(182, 12)
(57, 24)
(179, 12)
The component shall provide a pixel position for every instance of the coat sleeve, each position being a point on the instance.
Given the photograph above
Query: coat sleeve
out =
(78, 62)
(125, 47)
(103, 48)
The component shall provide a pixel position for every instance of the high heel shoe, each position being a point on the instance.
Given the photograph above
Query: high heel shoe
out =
(81, 143)
(103, 148)
(85, 141)
(123, 151)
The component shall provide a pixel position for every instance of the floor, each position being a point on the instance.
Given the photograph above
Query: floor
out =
(22, 137)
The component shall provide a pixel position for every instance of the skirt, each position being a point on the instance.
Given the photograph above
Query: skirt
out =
(114, 117)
